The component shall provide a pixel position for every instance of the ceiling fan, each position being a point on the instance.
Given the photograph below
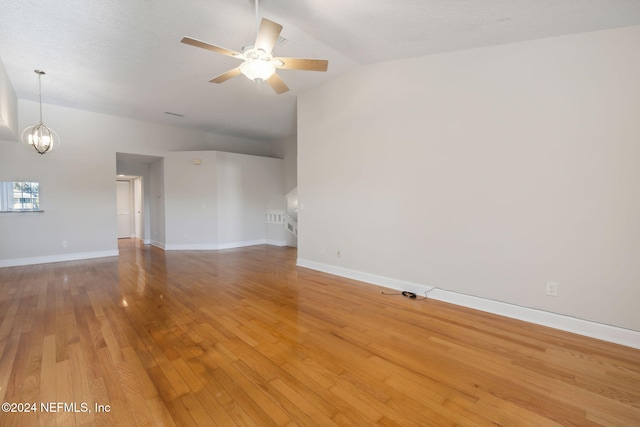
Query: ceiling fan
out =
(258, 63)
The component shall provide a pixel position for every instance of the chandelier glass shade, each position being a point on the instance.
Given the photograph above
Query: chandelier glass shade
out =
(40, 137)
(257, 70)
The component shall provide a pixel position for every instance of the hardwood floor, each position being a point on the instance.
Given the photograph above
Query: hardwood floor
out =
(243, 337)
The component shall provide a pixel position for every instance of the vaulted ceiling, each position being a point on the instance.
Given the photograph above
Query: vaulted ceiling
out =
(124, 57)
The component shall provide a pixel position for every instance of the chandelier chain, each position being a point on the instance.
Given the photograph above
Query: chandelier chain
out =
(40, 91)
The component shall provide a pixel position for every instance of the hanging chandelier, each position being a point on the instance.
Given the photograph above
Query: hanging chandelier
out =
(40, 137)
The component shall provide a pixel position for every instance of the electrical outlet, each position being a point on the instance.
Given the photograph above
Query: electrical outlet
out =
(338, 253)
(552, 289)
(65, 244)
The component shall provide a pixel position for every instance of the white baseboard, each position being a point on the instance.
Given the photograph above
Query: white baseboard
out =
(218, 246)
(157, 244)
(190, 247)
(15, 262)
(614, 334)
(232, 245)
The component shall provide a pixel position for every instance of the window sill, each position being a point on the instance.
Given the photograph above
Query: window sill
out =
(12, 213)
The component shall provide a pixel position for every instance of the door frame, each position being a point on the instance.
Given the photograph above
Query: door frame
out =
(136, 192)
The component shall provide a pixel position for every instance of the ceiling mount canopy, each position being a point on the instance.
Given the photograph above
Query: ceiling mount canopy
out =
(40, 137)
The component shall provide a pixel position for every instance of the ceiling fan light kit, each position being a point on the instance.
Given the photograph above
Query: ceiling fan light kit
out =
(257, 70)
(259, 65)
(40, 137)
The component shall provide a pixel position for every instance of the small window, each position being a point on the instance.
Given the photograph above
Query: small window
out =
(19, 196)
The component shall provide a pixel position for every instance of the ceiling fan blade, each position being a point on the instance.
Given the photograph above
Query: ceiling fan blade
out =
(226, 76)
(302, 64)
(277, 84)
(208, 46)
(268, 34)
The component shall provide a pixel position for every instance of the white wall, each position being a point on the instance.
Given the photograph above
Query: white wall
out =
(156, 203)
(191, 205)
(77, 193)
(8, 108)
(221, 202)
(287, 150)
(248, 186)
(486, 172)
(78, 185)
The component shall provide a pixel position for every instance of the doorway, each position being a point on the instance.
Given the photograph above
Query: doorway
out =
(129, 206)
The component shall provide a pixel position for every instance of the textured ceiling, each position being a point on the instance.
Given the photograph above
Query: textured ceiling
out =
(124, 57)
